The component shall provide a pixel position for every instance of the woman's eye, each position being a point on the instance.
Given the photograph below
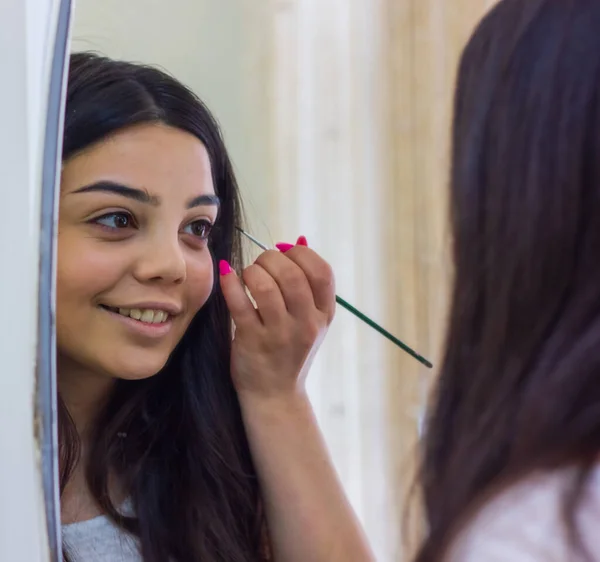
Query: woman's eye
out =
(200, 229)
(115, 220)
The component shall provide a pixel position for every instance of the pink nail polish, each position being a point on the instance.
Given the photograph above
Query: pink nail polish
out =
(283, 247)
(224, 268)
(302, 241)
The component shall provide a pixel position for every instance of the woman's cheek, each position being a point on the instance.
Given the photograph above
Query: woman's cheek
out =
(81, 268)
(200, 281)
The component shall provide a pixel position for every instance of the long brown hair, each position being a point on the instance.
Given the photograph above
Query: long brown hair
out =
(519, 387)
(185, 458)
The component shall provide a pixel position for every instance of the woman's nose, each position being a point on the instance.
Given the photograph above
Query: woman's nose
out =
(162, 260)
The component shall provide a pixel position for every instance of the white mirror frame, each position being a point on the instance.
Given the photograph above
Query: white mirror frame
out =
(34, 39)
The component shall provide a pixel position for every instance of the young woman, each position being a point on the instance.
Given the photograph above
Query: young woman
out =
(180, 440)
(511, 468)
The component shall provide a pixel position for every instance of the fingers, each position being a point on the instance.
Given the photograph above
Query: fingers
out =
(271, 307)
(311, 278)
(266, 293)
(292, 281)
(319, 275)
(240, 307)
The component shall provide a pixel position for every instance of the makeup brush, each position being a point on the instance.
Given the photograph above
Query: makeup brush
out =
(359, 314)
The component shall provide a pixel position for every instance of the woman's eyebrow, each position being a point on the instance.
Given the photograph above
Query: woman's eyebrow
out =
(204, 200)
(119, 189)
(143, 196)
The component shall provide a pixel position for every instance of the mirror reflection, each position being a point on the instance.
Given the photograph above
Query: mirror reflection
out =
(249, 195)
(298, 122)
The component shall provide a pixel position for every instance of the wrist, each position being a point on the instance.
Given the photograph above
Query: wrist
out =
(275, 405)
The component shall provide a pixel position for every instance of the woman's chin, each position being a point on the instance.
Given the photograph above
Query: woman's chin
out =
(138, 370)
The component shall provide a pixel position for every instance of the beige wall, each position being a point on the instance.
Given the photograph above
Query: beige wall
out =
(424, 40)
(212, 46)
(336, 113)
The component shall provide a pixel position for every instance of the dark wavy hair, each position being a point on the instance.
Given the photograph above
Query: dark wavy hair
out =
(185, 459)
(519, 387)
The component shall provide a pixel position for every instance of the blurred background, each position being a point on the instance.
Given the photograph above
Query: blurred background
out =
(336, 114)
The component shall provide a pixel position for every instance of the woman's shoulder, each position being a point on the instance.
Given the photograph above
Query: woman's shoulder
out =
(525, 522)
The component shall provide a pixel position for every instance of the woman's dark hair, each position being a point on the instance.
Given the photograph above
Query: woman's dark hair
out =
(175, 440)
(519, 387)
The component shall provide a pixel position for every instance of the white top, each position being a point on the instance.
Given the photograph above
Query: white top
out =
(525, 524)
(100, 540)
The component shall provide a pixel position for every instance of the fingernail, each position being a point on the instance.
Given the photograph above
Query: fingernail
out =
(302, 241)
(224, 268)
(283, 247)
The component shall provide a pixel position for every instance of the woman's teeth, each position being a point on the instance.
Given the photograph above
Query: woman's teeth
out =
(148, 316)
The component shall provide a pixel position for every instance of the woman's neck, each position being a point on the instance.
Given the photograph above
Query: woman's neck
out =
(83, 392)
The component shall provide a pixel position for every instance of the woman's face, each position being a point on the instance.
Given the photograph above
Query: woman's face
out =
(133, 260)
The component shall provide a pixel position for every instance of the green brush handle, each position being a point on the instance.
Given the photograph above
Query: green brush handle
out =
(382, 331)
(359, 315)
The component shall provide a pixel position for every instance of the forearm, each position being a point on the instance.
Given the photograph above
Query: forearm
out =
(308, 514)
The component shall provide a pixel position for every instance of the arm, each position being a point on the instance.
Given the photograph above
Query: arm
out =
(308, 515)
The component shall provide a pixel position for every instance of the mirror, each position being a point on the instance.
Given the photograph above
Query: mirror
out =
(34, 49)
(292, 86)
(335, 116)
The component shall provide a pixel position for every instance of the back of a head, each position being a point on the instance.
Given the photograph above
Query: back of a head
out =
(518, 386)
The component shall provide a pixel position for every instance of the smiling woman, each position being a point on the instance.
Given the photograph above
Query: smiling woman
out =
(179, 441)
(142, 159)
(134, 266)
